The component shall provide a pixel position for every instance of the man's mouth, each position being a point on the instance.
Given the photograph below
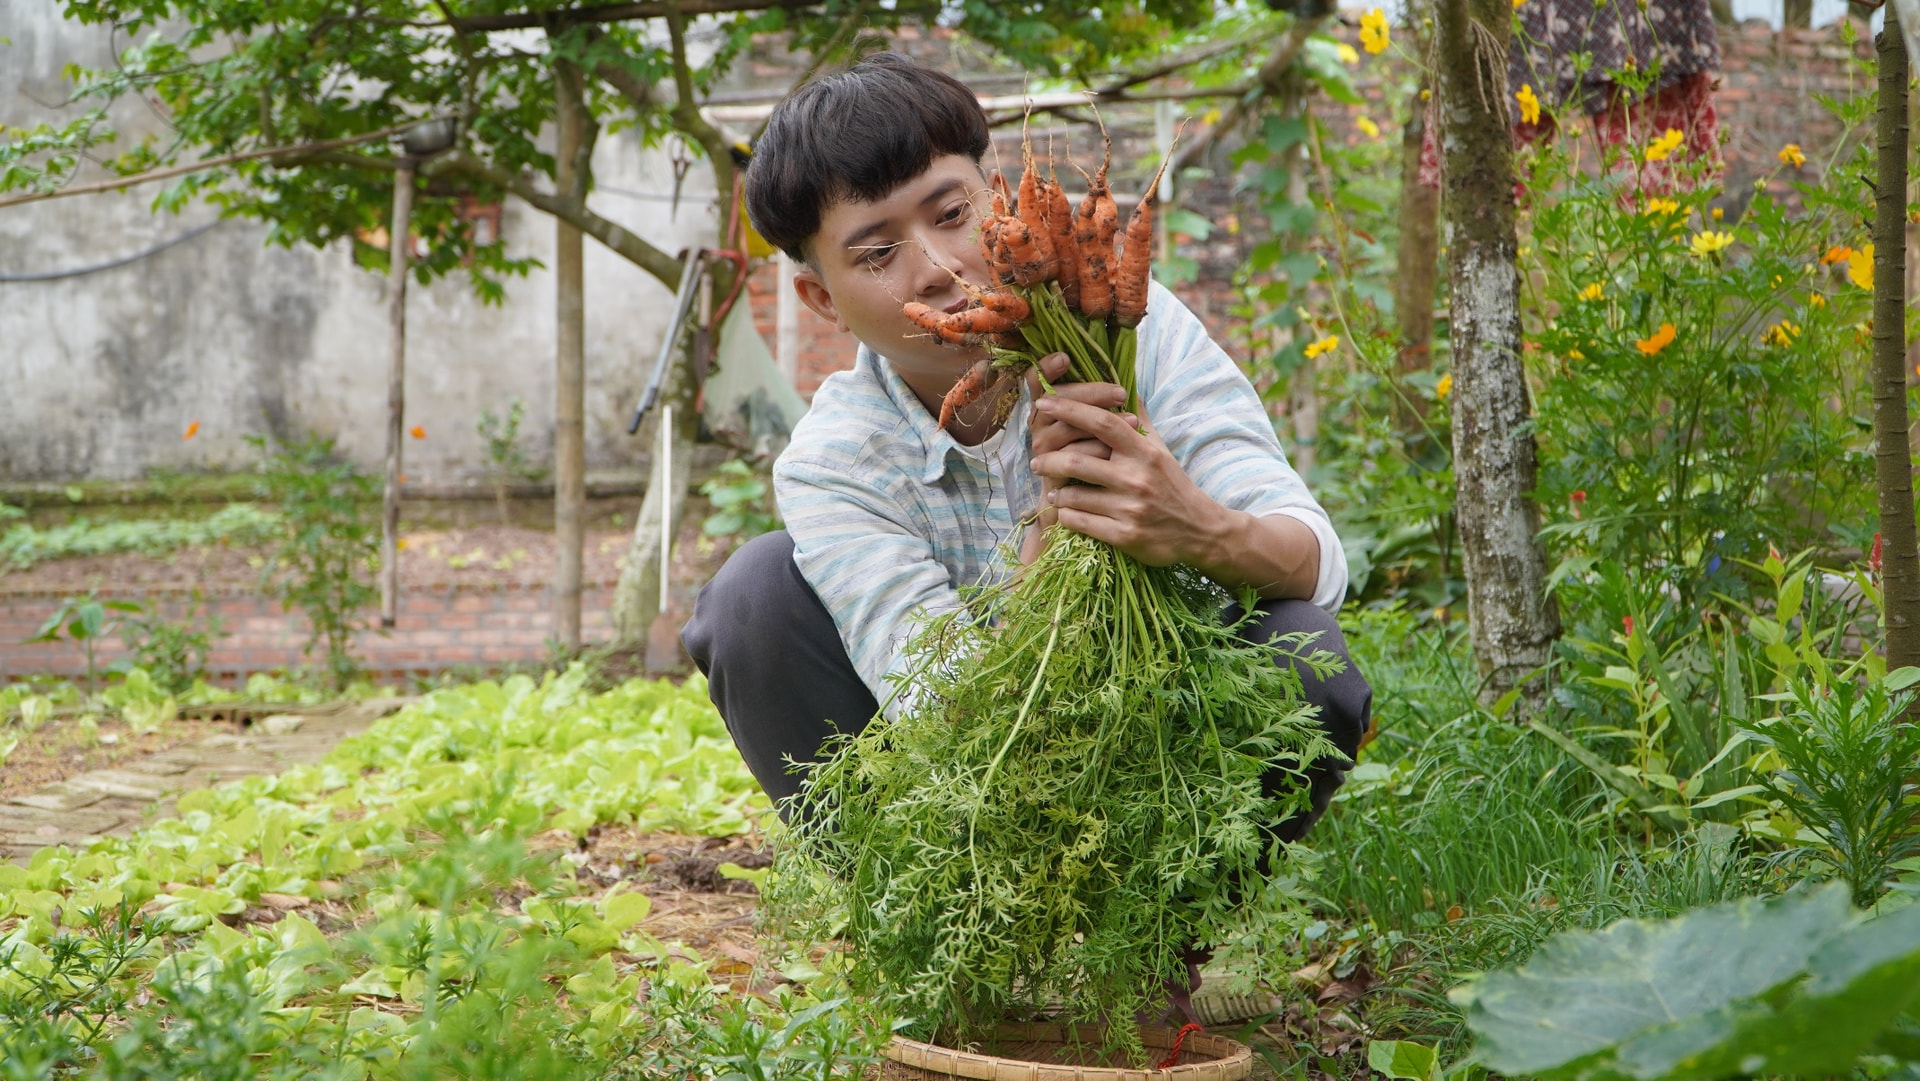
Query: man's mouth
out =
(958, 305)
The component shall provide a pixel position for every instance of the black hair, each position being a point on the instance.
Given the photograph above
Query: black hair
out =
(858, 135)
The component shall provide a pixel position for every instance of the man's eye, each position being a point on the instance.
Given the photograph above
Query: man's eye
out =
(877, 254)
(956, 212)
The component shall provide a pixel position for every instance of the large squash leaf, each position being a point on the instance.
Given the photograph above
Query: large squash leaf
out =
(1800, 984)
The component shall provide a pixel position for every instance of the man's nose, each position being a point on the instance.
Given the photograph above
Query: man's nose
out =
(934, 267)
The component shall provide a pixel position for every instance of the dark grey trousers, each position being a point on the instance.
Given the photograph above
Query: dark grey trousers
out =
(779, 675)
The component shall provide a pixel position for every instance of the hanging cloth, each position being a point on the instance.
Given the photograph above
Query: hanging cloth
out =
(1619, 36)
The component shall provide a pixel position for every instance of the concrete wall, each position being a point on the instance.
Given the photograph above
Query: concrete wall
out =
(101, 374)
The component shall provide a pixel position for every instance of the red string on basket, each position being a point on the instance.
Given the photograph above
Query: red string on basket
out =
(1179, 1038)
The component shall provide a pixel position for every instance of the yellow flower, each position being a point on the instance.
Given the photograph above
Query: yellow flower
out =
(1790, 155)
(1708, 242)
(1443, 386)
(1860, 267)
(1660, 340)
(1662, 206)
(1836, 254)
(1517, 3)
(1366, 124)
(1782, 333)
(1426, 94)
(1325, 345)
(1816, 300)
(1529, 104)
(1664, 145)
(1594, 291)
(1346, 54)
(1374, 34)
(1575, 354)
(1718, 213)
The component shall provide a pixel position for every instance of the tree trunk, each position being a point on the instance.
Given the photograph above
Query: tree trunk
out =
(1416, 264)
(569, 413)
(1893, 463)
(1511, 620)
(401, 228)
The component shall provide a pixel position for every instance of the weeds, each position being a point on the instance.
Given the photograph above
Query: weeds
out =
(507, 463)
(23, 545)
(1846, 773)
(84, 621)
(173, 652)
(326, 546)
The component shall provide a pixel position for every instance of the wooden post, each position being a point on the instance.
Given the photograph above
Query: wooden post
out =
(399, 231)
(569, 413)
(1900, 561)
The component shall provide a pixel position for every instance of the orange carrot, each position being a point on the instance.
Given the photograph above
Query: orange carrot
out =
(1010, 305)
(1029, 263)
(1130, 276)
(969, 326)
(1094, 225)
(999, 264)
(1031, 210)
(968, 389)
(1136, 262)
(1060, 222)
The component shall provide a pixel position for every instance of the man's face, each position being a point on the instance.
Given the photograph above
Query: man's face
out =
(869, 259)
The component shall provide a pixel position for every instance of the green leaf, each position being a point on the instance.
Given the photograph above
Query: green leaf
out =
(623, 910)
(1404, 1060)
(1901, 678)
(1797, 984)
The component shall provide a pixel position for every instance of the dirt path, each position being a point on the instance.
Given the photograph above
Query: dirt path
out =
(80, 807)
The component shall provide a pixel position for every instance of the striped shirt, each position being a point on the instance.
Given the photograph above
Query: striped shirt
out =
(890, 516)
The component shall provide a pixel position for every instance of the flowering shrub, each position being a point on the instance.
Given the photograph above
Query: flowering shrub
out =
(1700, 369)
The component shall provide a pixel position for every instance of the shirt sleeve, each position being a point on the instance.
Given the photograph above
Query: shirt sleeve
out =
(861, 556)
(1212, 420)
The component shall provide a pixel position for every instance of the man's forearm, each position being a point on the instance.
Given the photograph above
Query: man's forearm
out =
(1278, 555)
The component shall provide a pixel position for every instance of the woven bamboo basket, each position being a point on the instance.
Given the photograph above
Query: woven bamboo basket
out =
(1044, 1051)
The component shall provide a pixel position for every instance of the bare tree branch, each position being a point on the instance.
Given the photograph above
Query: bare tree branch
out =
(215, 163)
(1269, 81)
(575, 212)
(598, 13)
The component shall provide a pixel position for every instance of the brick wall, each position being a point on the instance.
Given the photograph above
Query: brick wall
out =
(436, 629)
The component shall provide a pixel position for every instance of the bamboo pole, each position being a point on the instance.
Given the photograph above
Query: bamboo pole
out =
(398, 232)
(569, 414)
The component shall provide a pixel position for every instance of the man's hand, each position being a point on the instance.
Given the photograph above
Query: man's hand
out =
(1110, 476)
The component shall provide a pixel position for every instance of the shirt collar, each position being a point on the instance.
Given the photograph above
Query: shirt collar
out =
(938, 445)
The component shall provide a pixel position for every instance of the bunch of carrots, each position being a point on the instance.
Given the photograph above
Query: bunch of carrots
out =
(1081, 764)
(1058, 286)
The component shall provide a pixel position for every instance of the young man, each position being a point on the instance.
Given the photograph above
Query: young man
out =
(872, 180)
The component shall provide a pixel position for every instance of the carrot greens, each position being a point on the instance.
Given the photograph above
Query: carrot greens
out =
(1082, 775)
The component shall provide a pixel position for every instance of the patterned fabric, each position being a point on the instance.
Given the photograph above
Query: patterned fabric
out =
(1617, 36)
(890, 516)
(1614, 36)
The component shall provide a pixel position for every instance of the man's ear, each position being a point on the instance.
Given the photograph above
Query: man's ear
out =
(814, 294)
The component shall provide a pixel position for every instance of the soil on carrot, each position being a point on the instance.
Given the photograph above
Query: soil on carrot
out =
(69, 745)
